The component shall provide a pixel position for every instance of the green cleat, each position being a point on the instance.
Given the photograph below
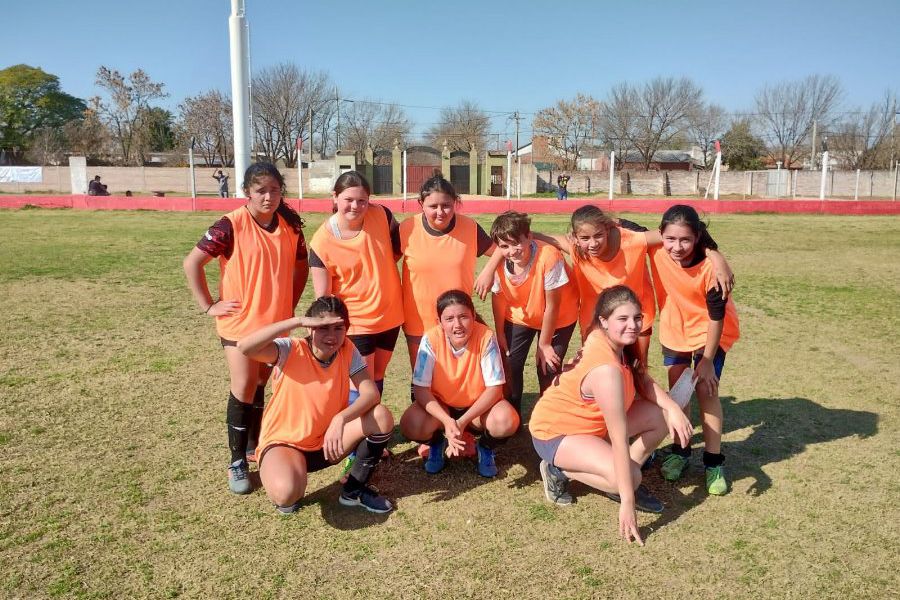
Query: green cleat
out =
(716, 484)
(674, 466)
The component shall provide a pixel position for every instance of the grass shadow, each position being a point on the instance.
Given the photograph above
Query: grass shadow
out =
(782, 428)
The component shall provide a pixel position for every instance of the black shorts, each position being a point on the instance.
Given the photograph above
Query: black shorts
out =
(227, 343)
(315, 459)
(367, 343)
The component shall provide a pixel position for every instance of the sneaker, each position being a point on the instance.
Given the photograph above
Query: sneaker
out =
(716, 484)
(486, 465)
(555, 484)
(288, 510)
(643, 500)
(434, 463)
(368, 498)
(239, 478)
(674, 466)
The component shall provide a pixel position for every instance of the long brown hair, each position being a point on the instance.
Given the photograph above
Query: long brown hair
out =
(609, 300)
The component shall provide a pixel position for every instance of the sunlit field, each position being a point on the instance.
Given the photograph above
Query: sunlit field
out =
(113, 444)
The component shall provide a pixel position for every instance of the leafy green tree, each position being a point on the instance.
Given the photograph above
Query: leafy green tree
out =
(741, 150)
(158, 132)
(31, 100)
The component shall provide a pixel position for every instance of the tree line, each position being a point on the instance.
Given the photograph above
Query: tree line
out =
(671, 113)
(297, 111)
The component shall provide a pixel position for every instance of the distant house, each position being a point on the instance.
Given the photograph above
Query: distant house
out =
(663, 160)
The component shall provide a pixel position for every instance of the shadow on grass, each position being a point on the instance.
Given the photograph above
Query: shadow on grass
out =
(782, 428)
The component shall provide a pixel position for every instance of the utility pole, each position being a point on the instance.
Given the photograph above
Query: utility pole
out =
(337, 130)
(518, 163)
(310, 134)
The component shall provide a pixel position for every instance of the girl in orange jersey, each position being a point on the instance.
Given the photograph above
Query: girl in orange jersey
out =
(353, 256)
(458, 383)
(606, 252)
(439, 249)
(263, 265)
(533, 293)
(309, 424)
(695, 325)
(582, 424)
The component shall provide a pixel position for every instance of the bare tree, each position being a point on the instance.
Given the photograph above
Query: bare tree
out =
(569, 127)
(786, 112)
(617, 120)
(705, 126)
(88, 137)
(283, 95)
(861, 140)
(375, 124)
(124, 111)
(207, 118)
(662, 105)
(463, 126)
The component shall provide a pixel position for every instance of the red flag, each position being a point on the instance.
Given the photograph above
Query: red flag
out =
(299, 143)
(508, 146)
(718, 146)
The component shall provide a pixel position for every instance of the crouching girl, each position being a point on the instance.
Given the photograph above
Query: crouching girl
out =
(308, 424)
(582, 424)
(458, 384)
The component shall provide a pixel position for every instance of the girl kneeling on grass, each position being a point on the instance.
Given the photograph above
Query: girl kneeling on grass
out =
(458, 384)
(309, 423)
(695, 325)
(263, 263)
(581, 425)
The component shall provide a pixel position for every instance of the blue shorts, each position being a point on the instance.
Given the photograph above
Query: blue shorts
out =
(674, 357)
(546, 449)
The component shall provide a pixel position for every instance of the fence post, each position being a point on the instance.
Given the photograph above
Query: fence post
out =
(856, 189)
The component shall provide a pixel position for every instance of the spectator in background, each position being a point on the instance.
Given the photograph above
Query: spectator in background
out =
(95, 188)
(222, 178)
(561, 183)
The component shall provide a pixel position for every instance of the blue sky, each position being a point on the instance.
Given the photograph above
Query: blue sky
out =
(506, 56)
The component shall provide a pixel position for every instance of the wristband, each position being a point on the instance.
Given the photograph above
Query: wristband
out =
(206, 312)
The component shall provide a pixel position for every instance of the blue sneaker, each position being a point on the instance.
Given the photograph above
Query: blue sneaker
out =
(239, 478)
(486, 465)
(368, 498)
(435, 462)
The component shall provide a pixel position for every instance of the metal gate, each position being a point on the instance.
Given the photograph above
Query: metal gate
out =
(774, 187)
(417, 175)
(459, 177)
(496, 181)
(383, 176)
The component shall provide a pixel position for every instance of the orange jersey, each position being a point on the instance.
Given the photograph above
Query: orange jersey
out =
(305, 397)
(363, 273)
(458, 378)
(432, 265)
(683, 314)
(563, 409)
(525, 300)
(627, 267)
(259, 274)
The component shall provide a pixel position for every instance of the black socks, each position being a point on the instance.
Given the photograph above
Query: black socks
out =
(368, 455)
(238, 418)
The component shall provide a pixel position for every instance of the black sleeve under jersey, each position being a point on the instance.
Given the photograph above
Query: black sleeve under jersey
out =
(715, 305)
(484, 241)
(314, 260)
(394, 227)
(631, 225)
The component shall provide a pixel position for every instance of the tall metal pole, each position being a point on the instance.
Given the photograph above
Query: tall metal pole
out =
(300, 165)
(612, 172)
(337, 130)
(193, 175)
(508, 171)
(718, 169)
(896, 171)
(812, 150)
(404, 176)
(310, 135)
(240, 93)
(824, 174)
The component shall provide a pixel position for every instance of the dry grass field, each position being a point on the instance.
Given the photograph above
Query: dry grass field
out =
(113, 450)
